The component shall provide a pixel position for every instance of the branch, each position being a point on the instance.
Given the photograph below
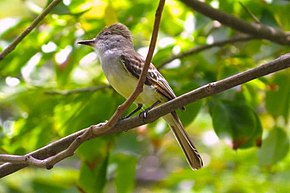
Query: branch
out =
(35, 22)
(54, 148)
(254, 29)
(202, 48)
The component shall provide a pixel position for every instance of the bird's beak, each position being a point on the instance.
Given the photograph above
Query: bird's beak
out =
(87, 42)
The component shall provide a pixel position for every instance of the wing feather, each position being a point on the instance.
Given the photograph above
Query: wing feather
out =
(134, 63)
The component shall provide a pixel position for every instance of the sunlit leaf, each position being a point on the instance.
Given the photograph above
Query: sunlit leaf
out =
(110, 14)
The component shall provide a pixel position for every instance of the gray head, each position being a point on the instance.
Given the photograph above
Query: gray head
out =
(111, 37)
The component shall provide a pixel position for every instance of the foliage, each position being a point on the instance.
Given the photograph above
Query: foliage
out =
(32, 114)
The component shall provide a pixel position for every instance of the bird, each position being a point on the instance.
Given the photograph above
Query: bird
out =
(122, 66)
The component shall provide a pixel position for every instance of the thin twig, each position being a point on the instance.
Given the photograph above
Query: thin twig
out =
(51, 161)
(254, 29)
(49, 151)
(35, 22)
(198, 49)
(249, 12)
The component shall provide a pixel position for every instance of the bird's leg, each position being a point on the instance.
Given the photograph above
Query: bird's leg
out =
(143, 114)
(134, 111)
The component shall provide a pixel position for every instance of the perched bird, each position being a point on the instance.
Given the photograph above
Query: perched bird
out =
(122, 66)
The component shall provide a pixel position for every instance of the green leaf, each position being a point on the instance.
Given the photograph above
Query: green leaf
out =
(235, 121)
(110, 14)
(60, 9)
(125, 173)
(191, 111)
(274, 148)
(92, 177)
(98, 108)
(278, 96)
(268, 18)
(96, 154)
(128, 143)
(162, 55)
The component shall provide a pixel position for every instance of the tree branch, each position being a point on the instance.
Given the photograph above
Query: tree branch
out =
(35, 22)
(202, 48)
(51, 150)
(254, 29)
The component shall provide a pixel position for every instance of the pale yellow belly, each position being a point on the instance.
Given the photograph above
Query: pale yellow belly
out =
(125, 83)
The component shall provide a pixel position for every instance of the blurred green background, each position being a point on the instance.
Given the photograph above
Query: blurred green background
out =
(39, 102)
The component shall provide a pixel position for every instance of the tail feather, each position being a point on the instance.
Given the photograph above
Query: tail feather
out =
(191, 153)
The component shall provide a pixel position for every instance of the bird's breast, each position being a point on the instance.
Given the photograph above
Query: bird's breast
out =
(124, 82)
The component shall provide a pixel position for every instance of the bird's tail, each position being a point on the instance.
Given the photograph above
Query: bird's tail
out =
(192, 155)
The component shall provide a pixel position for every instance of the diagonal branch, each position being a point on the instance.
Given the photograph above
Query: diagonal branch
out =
(254, 29)
(35, 22)
(49, 151)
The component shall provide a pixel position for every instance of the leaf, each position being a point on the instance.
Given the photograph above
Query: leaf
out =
(93, 155)
(274, 148)
(92, 178)
(60, 9)
(98, 108)
(162, 55)
(128, 143)
(191, 110)
(190, 113)
(235, 121)
(125, 173)
(110, 14)
(278, 96)
(268, 18)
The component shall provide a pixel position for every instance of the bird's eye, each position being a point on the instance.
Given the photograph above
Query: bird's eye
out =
(107, 33)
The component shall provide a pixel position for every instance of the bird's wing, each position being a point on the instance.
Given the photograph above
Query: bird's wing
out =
(134, 63)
